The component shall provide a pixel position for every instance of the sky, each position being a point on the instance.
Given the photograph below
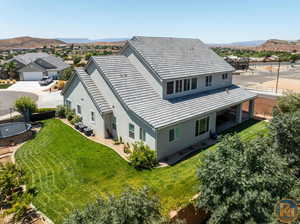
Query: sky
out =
(213, 21)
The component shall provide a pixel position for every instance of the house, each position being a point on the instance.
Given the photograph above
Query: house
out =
(35, 66)
(170, 93)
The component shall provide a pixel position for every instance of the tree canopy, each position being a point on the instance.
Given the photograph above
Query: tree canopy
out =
(241, 181)
(26, 106)
(134, 206)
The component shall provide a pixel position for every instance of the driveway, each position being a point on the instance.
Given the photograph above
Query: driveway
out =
(44, 98)
(8, 98)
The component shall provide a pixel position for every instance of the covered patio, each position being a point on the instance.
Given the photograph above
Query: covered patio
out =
(234, 115)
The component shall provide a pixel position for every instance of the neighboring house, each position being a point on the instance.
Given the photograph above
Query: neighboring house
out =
(35, 66)
(170, 93)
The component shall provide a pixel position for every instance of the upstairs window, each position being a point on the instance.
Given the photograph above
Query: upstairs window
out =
(186, 86)
(208, 80)
(201, 126)
(178, 86)
(78, 109)
(225, 76)
(131, 130)
(194, 83)
(114, 123)
(170, 87)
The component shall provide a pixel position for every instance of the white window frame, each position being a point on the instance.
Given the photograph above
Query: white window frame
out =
(208, 80)
(142, 134)
(131, 133)
(167, 88)
(80, 109)
(92, 116)
(198, 131)
(69, 104)
(176, 134)
(225, 76)
(192, 83)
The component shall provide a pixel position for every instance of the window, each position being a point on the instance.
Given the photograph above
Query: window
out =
(170, 87)
(68, 104)
(225, 76)
(178, 86)
(174, 133)
(194, 83)
(78, 109)
(131, 131)
(92, 116)
(201, 126)
(171, 135)
(114, 123)
(142, 134)
(208, 80)
(186, 86)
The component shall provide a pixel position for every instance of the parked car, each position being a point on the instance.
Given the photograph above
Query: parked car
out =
(46, 81)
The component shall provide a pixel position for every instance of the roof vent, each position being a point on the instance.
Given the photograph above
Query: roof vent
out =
(123, 75)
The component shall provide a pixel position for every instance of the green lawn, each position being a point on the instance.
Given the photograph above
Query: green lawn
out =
(4, 86)
(69, 170)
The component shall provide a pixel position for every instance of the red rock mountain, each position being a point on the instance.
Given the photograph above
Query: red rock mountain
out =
(27, 42)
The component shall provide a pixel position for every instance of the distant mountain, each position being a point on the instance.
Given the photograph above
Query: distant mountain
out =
(280, 45)
(27, 42)
(252, 43)
(86, 40)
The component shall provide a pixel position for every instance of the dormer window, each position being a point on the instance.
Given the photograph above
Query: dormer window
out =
(225, 76)
(170, 87)
(178, 86)
(186, 85)
(208, 80)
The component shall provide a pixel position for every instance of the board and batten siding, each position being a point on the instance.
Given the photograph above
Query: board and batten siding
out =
(77, 95)
(123, 116)
(186, 136)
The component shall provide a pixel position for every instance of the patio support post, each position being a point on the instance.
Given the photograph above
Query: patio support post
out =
(239, 114)
(251, 108)
(212, 122)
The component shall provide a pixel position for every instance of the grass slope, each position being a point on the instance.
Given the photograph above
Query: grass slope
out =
(69, 170)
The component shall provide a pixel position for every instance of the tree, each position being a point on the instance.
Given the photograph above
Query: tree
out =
(12, 196)
(26, 106)
(290, 102)
(134, 206)
(67, 73)
(11, 69)
(76, 60)
(285, 131)
(241, 182)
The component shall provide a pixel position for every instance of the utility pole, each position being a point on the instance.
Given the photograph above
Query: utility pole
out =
(277, 79)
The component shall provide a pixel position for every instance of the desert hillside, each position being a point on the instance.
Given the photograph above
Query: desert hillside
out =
(280, 45)
(27, 42)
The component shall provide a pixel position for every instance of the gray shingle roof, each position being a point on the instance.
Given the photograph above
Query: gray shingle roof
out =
(178, 57)
(94, 92)
(139, 96)
(32, 67)
(28, 58)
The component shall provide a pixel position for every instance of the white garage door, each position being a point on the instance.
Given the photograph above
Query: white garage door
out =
(32, 76)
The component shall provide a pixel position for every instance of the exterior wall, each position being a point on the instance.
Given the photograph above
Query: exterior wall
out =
(31, 76)
(138, 64)
(217, 82)
(186, 137)
(77, 94)
(122, 115)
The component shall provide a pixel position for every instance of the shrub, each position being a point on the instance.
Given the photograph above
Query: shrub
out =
(76, 119)
(26, 106)
(42, 110)
(61, 111)
(70, 114)
(142, 157)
